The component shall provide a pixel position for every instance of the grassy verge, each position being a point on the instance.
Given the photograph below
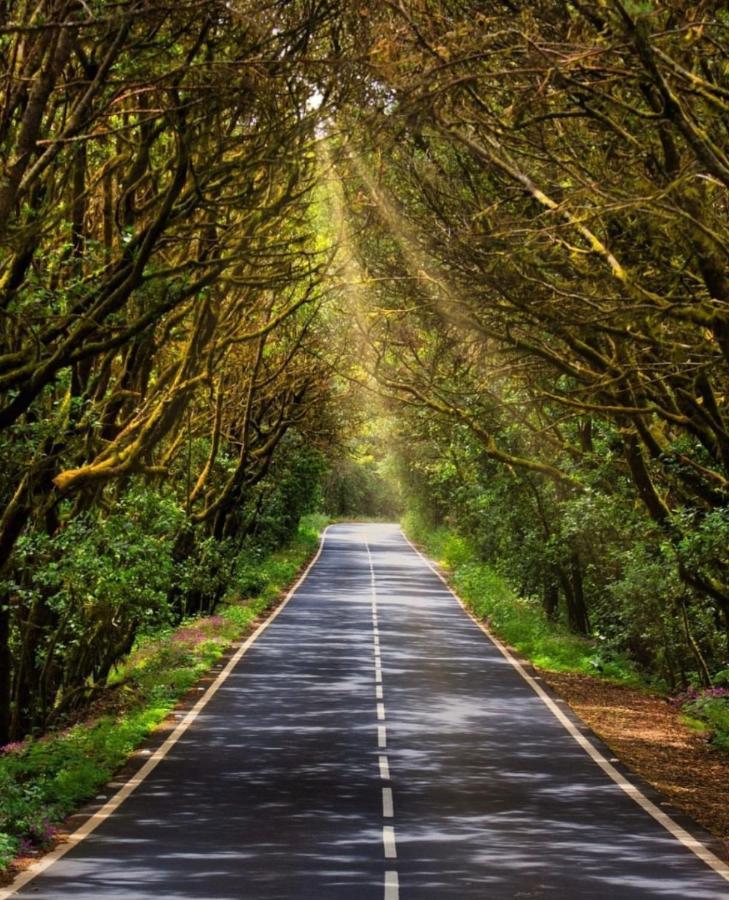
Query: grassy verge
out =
(518, 621)
(44, 780)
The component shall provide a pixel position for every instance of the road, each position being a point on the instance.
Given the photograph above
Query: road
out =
(372, 743)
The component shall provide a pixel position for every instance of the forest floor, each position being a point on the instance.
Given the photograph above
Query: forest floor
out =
(646, 733)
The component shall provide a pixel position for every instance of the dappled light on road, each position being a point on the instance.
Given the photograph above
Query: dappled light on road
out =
(274, 792)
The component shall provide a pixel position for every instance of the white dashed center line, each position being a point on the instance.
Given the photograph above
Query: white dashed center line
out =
(384, 769)
(387, 807)
(388, 841)
(392, 884)
(392, 889)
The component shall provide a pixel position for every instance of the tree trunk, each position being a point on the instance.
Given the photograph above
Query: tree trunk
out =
(550, 600)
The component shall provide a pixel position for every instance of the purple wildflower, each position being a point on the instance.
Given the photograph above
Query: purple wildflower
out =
(690, 696)
(12, 747)
(48, 832)
(190, 636)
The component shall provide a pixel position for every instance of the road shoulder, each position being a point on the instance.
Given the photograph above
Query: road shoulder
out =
(645, 732)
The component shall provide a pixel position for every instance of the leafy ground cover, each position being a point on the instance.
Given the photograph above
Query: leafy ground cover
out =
(43, 780)
(649, 734)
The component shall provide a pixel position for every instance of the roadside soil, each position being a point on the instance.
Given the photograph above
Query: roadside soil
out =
(646, 734)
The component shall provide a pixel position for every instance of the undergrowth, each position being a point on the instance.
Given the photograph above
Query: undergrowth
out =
(707, 710)
(43, 780)
(520, 622)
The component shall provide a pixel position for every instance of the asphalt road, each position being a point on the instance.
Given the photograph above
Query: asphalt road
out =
(374, 743)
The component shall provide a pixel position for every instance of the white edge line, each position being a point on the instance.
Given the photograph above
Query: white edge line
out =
(688, 840)
(93, 822)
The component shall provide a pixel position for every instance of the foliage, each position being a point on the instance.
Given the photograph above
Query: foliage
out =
(161, 339)
(356, 488)
(489, 266)
(521, 622)
(290, 491)
(542, 301)
(710, 709)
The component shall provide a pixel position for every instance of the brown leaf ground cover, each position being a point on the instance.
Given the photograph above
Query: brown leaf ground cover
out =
(646, 733)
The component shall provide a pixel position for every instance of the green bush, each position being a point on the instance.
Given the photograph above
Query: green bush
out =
(712, 708)
(593, 559)
(79, 597)
(8, 849)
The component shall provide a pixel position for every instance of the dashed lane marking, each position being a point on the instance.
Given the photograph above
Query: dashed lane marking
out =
(384, 768)
(392, 885)
(388, 842)
(392, 888)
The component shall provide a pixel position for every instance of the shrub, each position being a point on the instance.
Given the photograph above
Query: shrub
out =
(710, 707)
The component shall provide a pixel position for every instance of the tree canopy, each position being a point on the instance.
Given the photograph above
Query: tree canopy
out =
(249, 249)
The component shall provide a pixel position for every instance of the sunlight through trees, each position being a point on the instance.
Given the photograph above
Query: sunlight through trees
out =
(467, 260)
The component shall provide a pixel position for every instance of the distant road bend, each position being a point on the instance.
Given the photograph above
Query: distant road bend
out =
(371, 743)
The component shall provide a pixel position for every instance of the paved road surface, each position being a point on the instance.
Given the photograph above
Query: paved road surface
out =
(373, 740)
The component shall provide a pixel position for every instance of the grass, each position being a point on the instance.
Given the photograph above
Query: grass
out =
(518, 621)
(43, 780)
(694, 724)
